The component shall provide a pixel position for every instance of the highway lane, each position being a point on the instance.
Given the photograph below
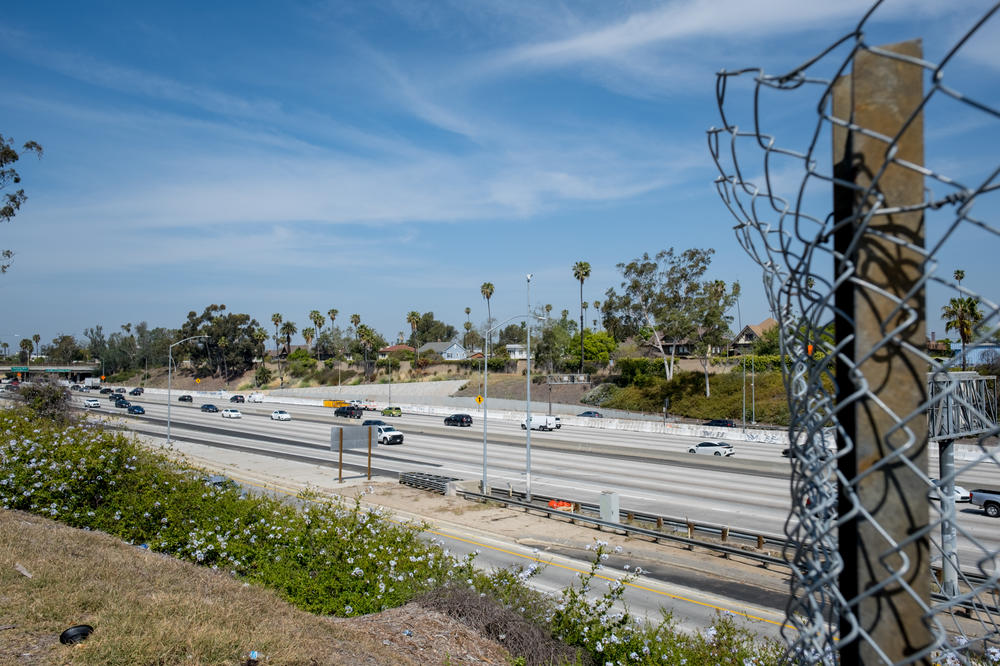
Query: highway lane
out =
(687, 488)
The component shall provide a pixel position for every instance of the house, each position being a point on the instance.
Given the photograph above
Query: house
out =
(385, 351)
(935, 347)
(449, 351)
(744, 340)
(517, 352)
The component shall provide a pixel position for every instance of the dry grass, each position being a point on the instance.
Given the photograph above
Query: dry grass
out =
(147, 608)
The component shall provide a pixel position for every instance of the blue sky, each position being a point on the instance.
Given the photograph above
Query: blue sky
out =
(385, 157)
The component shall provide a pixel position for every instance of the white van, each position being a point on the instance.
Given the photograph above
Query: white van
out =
(255, 397)
(541, 422)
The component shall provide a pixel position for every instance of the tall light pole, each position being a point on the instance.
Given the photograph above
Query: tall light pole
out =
(170, 366)
(486, 392)
(743, 362)
(527, 400)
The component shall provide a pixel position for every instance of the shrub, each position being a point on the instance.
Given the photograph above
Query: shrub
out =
(48, 400)
(262, 376)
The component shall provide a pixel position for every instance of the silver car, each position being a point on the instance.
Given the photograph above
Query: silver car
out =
(713, 449)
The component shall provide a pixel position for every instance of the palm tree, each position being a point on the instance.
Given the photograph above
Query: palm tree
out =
(288, 329)
(487, 289)
(959, 276)
(5, 348)
(564, 313)
(468, 327)
(276, 319)
(308, 333)
(597, 311)
(318, 320)
(961, 315)
(36, 339)
(332, 314)
(548, 309)
(581, 271)
(468, 311)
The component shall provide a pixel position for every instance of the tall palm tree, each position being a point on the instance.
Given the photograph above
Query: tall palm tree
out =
(581, 271)
(5, 348)
(332, 314)
(276, 319)
(597, 311)
(288, 329)
(959, 276)
(961, 315)
(468, 311)
(487, 289)
(468, 327)
(308, 333)
(548, 309)
(36, 338)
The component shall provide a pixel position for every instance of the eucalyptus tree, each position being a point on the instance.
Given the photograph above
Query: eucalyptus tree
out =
(11, 202)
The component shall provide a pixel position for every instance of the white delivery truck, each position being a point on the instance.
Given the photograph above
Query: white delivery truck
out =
(541, 422)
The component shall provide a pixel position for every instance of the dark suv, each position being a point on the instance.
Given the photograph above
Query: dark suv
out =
(185, 398)
(463, 420)
(720, 423)
(237, 398)
(350, 412)
(136, 391)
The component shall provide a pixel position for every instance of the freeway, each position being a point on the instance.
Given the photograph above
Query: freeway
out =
(650, 472)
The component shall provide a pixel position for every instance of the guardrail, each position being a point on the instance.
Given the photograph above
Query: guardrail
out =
(508, 498)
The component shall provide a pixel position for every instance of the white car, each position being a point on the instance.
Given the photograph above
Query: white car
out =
(713, 448)
(231, 414)
(280, 415)
(91, 403)
(937, 492)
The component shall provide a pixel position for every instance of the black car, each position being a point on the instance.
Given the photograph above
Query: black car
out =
(209, 408)
(237, 398)
(75, 387)
(720, 423)
(185, 398)
(590, 414)
(136, 409)
(462, 420)
(373, 422)
(123, 403)
(136, 391)
(350, 412)
(115, 397)
(119, 390)
(105, 390)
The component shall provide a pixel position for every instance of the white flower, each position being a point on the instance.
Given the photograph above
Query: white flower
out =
(993, 654)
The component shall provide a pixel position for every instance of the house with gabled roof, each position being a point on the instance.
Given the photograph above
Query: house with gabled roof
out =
(751, 333)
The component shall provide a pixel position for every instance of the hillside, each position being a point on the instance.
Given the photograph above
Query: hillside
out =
(149, 608)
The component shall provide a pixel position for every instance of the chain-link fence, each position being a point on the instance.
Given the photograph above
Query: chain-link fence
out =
(891, 563)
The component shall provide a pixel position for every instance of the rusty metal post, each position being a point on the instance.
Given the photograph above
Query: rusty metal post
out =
(881, 94)
(340, 461)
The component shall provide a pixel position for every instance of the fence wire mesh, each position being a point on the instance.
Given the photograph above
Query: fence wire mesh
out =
(780, 192)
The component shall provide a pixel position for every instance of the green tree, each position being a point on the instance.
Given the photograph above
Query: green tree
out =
(581, 271)
(959, 275)
(308, 333)
(961, 315)
(26, 350)
(598, 347)
(288, 329)
(769, 343)
(661, 294)
(12, 201)
(711, 323)
(63, 350)
(487, 289)
(317, 318)
(229, 346)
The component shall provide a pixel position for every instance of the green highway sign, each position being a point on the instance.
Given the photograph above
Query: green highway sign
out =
(16, 368)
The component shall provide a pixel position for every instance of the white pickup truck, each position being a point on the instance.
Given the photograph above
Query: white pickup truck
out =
(988, 499)
(541, 422)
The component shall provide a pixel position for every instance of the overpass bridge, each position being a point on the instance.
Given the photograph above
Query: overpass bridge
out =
(73, 372)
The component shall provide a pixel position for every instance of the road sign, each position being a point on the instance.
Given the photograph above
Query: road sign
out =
(479, 399)
(102, 378)
(197, 381)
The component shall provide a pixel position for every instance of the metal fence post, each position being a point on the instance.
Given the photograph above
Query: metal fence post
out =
(880, 312)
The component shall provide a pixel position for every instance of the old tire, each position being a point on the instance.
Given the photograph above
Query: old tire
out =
(76, 634)
(992, 510)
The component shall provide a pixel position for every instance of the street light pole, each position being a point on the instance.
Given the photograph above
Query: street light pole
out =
(170, 365)
(527, 401)
(743, 362)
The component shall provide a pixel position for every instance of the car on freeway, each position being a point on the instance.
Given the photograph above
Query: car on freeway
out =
(138, 390)
(231, 414)
(237, 398)
(185, 398)
(392, 411)
(136, 409)
(389, 435)
(119, 390)
(91, 403)
(280, 415)
(255, 397)
(75, 387)
(115, 397)
(209, 407)
(350, 412)
(713, 448)
(373, 422)
(591, 414)
(461, 420)
(106, 390)
(720, 423)
(121, 404)
(937, 492)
